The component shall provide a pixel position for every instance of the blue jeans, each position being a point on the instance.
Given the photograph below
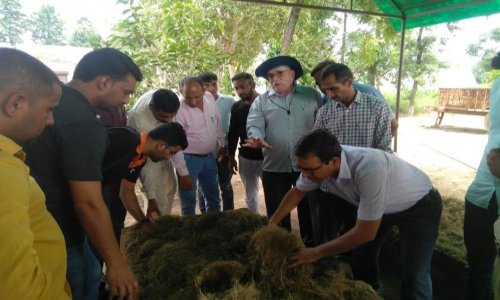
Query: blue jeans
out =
(203, 171)
(481, 250)
(84, 272)
(226, 188)
(418, 229)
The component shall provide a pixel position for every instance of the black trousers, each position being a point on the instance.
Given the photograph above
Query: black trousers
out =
(481, 250)
(276, 185)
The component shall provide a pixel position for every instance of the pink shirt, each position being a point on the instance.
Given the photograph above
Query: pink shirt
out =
(203, 128)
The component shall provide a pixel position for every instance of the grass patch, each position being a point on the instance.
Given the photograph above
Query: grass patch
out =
(422, 100)
(451, 238)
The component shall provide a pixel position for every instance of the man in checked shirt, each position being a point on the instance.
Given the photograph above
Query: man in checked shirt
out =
(356, 119)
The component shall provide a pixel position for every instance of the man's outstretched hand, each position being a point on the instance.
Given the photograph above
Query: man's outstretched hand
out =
(256, 143)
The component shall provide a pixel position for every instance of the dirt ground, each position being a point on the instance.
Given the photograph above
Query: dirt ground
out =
(449, 154)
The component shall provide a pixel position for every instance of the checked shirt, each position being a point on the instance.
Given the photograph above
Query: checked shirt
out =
(365, 123)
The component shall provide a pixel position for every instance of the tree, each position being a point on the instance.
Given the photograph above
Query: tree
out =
(12, 22)
(168, 39)
(224, 36)
(290, 28)
(373, 51)
(174, 39)
(485, 49)
(85, 35)
(420, 61)
(46, 26)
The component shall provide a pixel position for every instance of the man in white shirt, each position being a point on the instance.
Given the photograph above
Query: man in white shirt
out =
(158, 178)
(383, 191)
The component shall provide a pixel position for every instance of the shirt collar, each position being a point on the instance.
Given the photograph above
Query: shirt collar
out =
(357, 99)
(11, 148)
(140, 147)
(345, 170)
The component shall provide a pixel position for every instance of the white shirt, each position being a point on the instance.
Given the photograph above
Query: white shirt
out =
(375, 181)
(141, 118)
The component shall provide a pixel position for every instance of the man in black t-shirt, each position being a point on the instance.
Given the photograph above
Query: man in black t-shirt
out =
(158, 144)
(250, 159)
(66, 161)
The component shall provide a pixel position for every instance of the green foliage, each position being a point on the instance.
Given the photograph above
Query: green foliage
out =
(85, 35)
(312, 41)
(46, 26)
(420, 69)
(486, 48)
(225, 37)
(12, 22)
(373, 51)
(168, 40)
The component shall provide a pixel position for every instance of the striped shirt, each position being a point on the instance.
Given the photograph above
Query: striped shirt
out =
(364, 123)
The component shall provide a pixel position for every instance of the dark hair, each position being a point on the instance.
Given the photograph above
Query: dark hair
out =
(106, 62)
(495, 62)
(208, 77)
(243, 76)
(165, 100)
(320, 66)
(320, 143)
(190, 80)
(171, 133)
(19, 70)
(340, 71)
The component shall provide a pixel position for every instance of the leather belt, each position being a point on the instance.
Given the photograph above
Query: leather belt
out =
(197, 155)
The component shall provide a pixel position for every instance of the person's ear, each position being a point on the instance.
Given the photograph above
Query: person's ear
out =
(348, 82)
(15, 104)
(335, 161)
(103, 82)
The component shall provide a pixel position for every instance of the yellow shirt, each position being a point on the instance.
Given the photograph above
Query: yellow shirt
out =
(32, 248)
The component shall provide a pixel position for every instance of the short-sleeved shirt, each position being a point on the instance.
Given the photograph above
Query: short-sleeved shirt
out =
(375, 181)
(70, 150)
(123, 158)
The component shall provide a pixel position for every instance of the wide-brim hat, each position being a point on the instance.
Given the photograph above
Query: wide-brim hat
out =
(277, 61)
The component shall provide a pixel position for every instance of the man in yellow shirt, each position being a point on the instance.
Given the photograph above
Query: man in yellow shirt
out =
(32, 248)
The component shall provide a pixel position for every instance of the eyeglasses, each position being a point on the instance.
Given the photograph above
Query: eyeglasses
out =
(277, 74)
(310, 170)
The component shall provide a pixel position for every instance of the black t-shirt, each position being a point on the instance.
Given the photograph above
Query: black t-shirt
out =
(123, 159)
(237, 129)
(72, 149)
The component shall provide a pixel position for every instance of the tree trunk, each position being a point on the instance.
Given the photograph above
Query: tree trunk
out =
(418, 62)
(290, 29)
(372, 74)
(344, 36)
(232, 70)
(411, 106)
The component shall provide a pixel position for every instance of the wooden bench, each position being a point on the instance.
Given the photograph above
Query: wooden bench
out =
(468, 101)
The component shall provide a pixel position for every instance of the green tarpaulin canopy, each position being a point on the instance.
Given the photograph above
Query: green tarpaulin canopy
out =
(420, 13)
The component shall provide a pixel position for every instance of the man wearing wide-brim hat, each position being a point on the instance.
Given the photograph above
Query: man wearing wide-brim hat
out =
(277, 119)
